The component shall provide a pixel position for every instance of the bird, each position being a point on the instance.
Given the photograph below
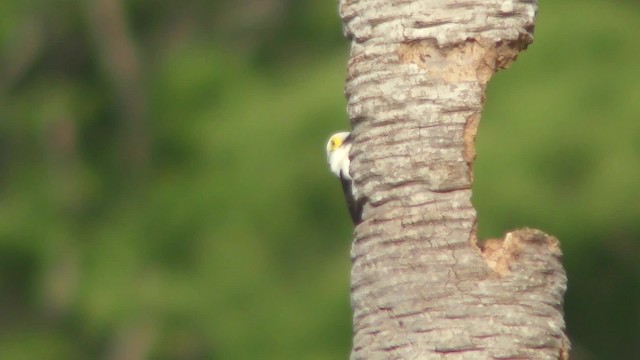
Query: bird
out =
(338, 148)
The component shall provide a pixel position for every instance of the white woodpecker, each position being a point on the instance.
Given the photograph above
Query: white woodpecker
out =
(338, 158)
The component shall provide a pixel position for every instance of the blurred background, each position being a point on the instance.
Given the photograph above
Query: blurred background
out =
(164, 192)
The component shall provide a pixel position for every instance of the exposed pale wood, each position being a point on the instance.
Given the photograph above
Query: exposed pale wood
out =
(421, 288)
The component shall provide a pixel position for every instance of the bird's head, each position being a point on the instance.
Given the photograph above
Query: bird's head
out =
(336, 141)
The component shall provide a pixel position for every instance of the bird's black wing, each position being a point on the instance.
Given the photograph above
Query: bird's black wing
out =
(355, 207)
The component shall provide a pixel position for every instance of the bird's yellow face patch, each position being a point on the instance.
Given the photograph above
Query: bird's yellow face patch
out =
(335, 142)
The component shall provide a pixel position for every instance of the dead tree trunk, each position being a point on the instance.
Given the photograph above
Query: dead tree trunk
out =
(421, 287)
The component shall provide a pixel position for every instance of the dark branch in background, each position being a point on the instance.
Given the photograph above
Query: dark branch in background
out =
(16, 58)
(20, 54)
(63, 164)
(119, 57)
(118, 54)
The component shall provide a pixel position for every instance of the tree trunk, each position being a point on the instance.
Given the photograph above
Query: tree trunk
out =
(421, 287)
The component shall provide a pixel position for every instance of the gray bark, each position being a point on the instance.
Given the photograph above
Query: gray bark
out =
(421, 287)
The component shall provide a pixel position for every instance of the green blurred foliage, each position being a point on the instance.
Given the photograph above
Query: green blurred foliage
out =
(208, 227)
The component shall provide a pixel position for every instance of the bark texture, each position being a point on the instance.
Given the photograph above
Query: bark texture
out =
(421, 287)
